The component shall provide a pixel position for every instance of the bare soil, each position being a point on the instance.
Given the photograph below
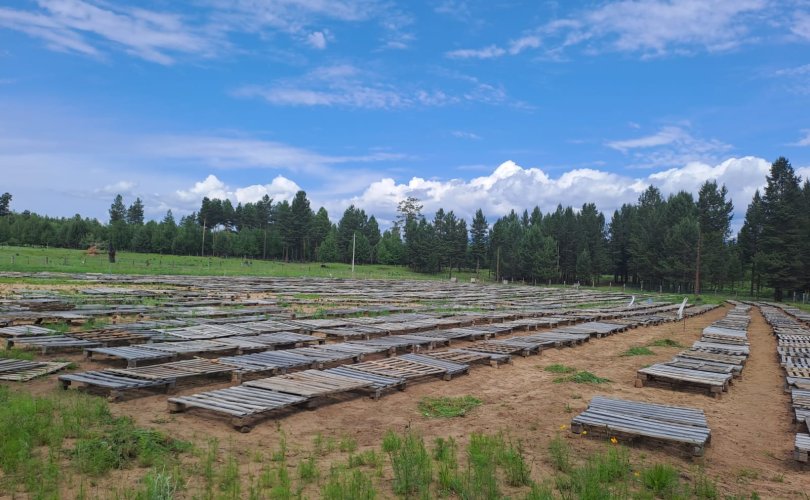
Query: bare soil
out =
(752, 430)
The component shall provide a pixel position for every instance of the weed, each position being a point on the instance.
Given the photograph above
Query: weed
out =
(280, 454)
(513, 463)
(705, 488)
(307, 470)
(745, 475)
(391, 442)
(637, 351)
(540, 492)
(412, 466)
(447, 407)
(15, 353)
(348, 485)
(367, 458)
(660, 479)
(558, 368)
(583, 377)
(347, 444)
(322, 445)
(560, 454)
(158, 486)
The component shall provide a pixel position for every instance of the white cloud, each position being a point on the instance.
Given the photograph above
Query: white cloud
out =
(347, 86)
(242, 153)
(803, 141)
(649, 27)
(801, 25)
(120, 187)
(461, 134)
(671, 145)
(280, 188)
(317, 39)
(490, 52)
(82, 27)
(511, 186)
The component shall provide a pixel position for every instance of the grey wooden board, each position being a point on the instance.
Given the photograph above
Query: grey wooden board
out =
(134, 353)
(675, 424)
(25, 331)
(683, 375)
(240, 401)
(451, 367)
(706, 366)
(309, 383)
(111, 380)
(377, 381)
(722, 348)
(802, 446)
(31, 371)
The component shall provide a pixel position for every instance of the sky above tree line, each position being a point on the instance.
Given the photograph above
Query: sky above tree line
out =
(463, 104)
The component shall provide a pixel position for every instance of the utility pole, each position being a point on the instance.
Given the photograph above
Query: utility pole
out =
(354, 242)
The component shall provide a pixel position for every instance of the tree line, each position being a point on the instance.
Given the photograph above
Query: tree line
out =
(675, 243)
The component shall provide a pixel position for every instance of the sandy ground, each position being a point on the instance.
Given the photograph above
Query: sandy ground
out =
(752, 433)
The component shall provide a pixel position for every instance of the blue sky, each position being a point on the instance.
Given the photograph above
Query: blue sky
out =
(463, 104)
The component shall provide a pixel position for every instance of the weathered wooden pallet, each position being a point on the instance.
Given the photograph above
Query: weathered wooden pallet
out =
(399, 368)
(706, 366)
(191, 347)
(48, 343)
(529, 346)
(309, 384)
(489, 346)
(22, 371)
(452, 368)
(802, 447)
(110, 337)
(470, 357)
(114, 383)
(712, 356)
(683, 426)
(244, 404)
(793, 362)
(133, 355)
(379, 383)
(716, 383)
(731, 349)
(324, 356)
(25, 331)
(270, 361)
(177, 370)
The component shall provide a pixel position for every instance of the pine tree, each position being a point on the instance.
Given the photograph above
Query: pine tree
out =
(781, 233)
(5, 204)
(750, 239)
(118, 212)
(135, 213)
(480, 241)
(714, 216)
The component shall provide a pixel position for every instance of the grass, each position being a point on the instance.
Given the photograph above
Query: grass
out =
(637, 351)
(45, 438)
(15, 353)
(661, 479)
(665, 343)
(558, 368)
(560, 454)
(582, 377)
(32, 259)
(447, 407)
(412, 466)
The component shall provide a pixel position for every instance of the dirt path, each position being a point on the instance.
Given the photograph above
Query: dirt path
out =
(752, 430)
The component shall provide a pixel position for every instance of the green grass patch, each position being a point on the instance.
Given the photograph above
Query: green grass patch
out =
(447, 407)
(661, 479)
(582, 377)
(413, 468)
(558, 368)
(665, 343)
(638, 351)
(15, 353)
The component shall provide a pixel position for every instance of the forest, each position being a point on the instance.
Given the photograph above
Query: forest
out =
(679, 243)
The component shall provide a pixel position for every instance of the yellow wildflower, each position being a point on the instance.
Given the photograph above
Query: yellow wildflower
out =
(584, 432)
(614, 440)
(563, 427)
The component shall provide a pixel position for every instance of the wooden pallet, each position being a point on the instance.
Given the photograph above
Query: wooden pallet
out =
(452, 368)
(133, 355)
(25, 331)
(112, 382)
(470, 357)
(716, 383)
(713, 357)
(633, 419)
(706, 366)
(309, 384)
(399, 368)
(177, 370)
(379, 383)
(49, 343)
(489, 346)
(802, 447)
(245, 405)
(109, 337)
(15, 370)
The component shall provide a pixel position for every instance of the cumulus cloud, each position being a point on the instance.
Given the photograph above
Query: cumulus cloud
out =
(512, 187)
(461, 134)
(120, 187)
(280, 188)
(317, 39)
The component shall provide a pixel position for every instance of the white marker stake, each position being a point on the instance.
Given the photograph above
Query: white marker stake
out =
(680, 309)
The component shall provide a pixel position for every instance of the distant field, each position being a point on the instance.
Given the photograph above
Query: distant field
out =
(27, 259)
